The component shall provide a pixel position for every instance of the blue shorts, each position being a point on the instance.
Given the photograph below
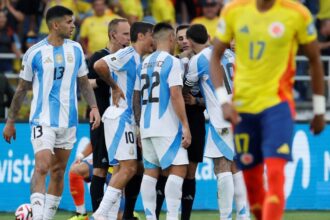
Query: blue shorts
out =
(263, 135)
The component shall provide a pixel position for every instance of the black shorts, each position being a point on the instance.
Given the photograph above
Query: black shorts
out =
(196, 122)
(100, 151)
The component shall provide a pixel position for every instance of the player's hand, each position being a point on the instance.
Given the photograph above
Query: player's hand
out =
(317, 124)
(116, 94)
(79, 158)
(94, 118)
(230, 114)
(9, 131)
(186, 137)
(189, 99)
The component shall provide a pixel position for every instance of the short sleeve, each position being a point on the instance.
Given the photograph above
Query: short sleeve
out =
(117, 60)
(81, 59)
(26, 69)
(175, 76)
(192, 74)
(224, 31)
(306, 29)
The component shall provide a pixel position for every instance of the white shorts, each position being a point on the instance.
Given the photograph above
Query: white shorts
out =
(163, 152)
(219, 143)
(120, 139)
(45, 137)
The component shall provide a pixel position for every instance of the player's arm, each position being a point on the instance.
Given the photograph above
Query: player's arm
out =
(84, 153)
(22, 88)
(88, 93)
(102, 69)
(313, 53)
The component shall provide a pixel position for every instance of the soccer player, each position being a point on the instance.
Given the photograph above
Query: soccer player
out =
(267, 34)
(119, 37)
(164, 126)
(119, 71)
(52, 67)
(219, 144)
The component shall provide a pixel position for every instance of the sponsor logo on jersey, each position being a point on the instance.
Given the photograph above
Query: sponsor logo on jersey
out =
(48, 60)
(284, 149)
(244, 29)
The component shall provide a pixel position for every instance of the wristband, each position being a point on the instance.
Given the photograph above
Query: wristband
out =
(319, 104)
(222, 95)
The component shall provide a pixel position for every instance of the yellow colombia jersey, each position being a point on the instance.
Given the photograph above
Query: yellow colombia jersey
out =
(95, 29)
(266, 45)
(210, 24)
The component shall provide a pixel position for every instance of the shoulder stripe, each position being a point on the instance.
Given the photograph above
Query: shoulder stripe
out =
(295, 6)
(33, 48)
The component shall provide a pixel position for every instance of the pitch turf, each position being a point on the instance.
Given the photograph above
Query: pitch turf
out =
(208, 215)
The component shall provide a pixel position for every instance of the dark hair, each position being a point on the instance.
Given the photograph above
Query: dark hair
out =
(162, 26)
(139, 27)
(57, 12)
(114, 23)
(181, 27)
(197, 33)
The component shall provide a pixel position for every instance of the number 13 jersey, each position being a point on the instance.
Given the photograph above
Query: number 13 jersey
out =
(158, 73)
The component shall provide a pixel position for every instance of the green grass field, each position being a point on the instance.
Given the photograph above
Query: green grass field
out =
(208, 215)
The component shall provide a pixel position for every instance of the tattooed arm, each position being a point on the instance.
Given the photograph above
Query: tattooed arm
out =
(137, 106)
(9, 131)
(88, 93)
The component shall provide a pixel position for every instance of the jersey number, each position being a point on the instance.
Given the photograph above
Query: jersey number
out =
(58, 72)
(257, 49)
(129, 137)
(37, 132)
(242, 142)
(228, 77)
(155, 82)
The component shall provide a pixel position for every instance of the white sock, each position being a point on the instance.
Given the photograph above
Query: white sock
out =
(225, 195)
(81, 209)
(110, 204)
(173, 194)
(240, 196)
(37, 204)
(149, 196)
(51, 205)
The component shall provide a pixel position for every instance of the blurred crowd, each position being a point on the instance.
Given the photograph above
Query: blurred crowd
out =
(22, 24)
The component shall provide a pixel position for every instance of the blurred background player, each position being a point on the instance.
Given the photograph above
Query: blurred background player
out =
(119, 122)
(263, 105)
(163, 139)
(119, 37)
(53, 117)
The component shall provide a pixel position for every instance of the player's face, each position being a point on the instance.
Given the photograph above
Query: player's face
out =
(148, 43)
(99, 7)
(3, 19)
(182, 40)
(65, 26)
(211, 10)
(122, 34)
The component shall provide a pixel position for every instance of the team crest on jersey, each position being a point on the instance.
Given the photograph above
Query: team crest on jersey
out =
(276, 29)
(246, 158)
(59, 58)
(311, 29)
(222, 26)
(70, 58)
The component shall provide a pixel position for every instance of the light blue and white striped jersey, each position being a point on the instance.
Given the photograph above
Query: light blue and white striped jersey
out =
(199, 71)
(158, 72)
(53, 72)
(123, 67)
(227, 61)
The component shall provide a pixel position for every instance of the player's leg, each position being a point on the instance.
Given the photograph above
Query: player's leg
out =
(79, 172)
(132, 190)
(100, 164)
(55, 187)
(240, 194)
(277, 139)
(225, 186)
(149, 181)
(122, 146)
(188, 191)
(43, 141)
(249, 159)
(165, 148)
(160, 190)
